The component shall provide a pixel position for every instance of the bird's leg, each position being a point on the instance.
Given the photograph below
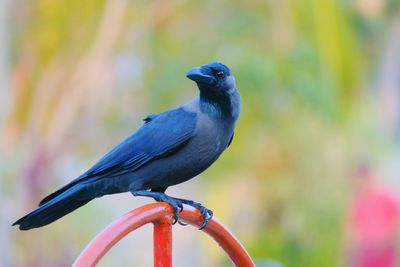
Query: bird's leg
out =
(162, 197)
(205, 213)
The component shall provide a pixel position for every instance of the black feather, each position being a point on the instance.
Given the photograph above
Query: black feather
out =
(56, 208)
(160, 136)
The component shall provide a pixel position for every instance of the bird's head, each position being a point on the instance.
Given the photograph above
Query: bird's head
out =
(217, 88)
(214, 78)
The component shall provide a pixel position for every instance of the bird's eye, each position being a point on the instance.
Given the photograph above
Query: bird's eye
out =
(220, 74)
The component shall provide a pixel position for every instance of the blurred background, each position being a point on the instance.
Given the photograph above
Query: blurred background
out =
(312, 176)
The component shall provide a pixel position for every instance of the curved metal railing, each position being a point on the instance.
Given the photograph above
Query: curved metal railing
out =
(160, 214)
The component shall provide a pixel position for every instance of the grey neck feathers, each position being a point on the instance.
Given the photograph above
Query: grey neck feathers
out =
(223, 105)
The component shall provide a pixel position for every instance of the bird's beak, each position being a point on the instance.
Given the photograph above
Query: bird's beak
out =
(201, 75)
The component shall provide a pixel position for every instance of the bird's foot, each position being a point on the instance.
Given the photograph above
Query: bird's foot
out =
(161, 197)
(177, 205)
(205, 213)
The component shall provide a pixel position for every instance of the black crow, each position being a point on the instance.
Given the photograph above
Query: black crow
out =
(170, 148)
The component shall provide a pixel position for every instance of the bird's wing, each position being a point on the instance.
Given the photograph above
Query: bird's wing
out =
(159, 136)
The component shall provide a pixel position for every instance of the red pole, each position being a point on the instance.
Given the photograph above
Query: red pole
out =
(162, 236)
(161, 215)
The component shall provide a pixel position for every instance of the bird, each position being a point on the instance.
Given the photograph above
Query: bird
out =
(168, 149)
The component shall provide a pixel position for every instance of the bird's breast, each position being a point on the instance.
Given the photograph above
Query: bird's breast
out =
(212, 136)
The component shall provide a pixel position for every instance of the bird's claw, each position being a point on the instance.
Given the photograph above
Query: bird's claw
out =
(207, 215)
(177, 212)
(181, 209)
(176, 205)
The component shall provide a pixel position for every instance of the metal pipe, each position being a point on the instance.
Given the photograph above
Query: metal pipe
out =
(161, 215)
(162, 236)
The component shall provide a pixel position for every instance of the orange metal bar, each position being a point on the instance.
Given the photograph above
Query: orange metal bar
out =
(161, 215)
(162, 244)
(227, 241)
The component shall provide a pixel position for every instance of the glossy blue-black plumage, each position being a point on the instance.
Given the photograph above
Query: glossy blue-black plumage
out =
(169, 148)
(161, 135)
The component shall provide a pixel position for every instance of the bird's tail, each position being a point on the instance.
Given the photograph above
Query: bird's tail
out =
(56, 208)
